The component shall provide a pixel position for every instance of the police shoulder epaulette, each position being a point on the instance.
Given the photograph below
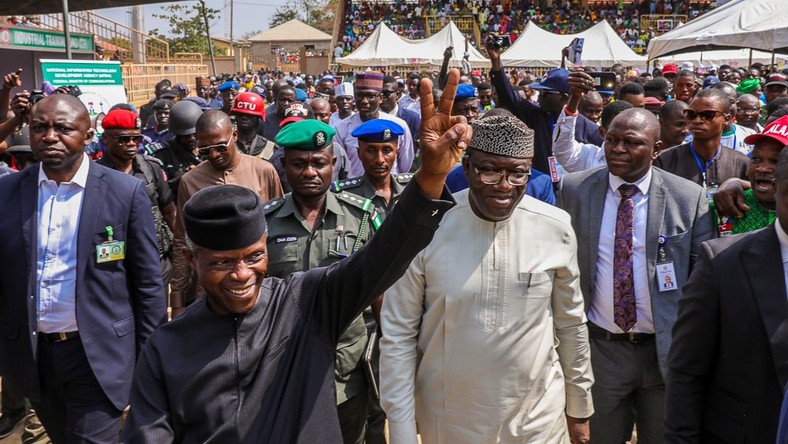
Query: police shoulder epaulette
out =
(339, 185)
(152, 159)
(273, 204)
(365, 204)
(404, 178)
(154, 147)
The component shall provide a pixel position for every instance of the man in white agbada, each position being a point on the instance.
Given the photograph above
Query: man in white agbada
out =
(484, 338)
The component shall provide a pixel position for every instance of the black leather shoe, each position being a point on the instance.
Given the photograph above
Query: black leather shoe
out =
(8, 421)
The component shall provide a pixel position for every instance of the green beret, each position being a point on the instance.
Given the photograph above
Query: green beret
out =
(748, 85)
(306, 135)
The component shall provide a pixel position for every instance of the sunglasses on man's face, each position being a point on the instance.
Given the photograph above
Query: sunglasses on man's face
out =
(707, 115)
(125, 139)
(386, 93)
(220, 148)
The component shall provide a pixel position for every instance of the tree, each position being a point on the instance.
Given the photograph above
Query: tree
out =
(317, 13)
(187, 28)
(283, 14)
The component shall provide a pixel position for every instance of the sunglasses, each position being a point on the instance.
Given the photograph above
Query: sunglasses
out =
(219, 148)
(125, 139)
(707, 115)
(387, 93)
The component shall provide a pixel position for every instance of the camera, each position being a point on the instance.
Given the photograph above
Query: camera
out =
(604, 81)
(498, 41)
(36, 96)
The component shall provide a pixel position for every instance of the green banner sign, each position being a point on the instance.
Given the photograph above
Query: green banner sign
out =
(82, 73)
(30, 38)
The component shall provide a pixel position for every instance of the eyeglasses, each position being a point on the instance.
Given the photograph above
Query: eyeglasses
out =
(748, 110)
(386, 93)
(489, 176)
(707, 115)
(219, 148)
(124, 139)
(367, 96)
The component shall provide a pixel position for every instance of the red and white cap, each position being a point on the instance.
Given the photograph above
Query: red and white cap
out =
(777, 130)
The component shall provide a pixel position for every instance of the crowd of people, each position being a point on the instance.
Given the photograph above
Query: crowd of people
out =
(407, 18)
(468, 257)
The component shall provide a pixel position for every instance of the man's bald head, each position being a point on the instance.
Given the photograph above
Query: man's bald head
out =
(641, 118)
(591, 105)
(64, 101)
(214, 119)
(321, 109)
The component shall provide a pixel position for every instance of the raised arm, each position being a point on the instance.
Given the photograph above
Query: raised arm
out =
(354, 283)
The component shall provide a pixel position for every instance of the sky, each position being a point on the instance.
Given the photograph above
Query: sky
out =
(249, 15)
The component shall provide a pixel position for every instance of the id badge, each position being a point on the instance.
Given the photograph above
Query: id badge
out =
(666, 277)
(110, 251)
(711, 190)
(553, 168)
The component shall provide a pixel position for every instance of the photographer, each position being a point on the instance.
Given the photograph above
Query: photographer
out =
(553, 96)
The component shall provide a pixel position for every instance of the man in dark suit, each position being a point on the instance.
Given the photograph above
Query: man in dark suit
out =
(728, 365)
(390, 105)
(71, 319)
(631, 221)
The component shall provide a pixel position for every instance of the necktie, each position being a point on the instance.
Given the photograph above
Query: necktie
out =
(624, 313)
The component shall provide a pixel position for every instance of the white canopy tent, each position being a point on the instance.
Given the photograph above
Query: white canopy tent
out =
(382, 48)
(385, 48)
(430, 51)
(537, 48)
(758, 24)
(733, 57)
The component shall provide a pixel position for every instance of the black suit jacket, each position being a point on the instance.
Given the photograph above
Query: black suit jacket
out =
(118, 304)
(729, 360)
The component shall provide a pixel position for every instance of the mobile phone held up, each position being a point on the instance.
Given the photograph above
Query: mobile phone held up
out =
(498, 41)
(604, 81)
(576, 50)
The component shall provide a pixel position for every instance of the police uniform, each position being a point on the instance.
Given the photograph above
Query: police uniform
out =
(259, 147)
(227, 86)
(148, 170)
(348, 222)
(175, 160)
(376, 131)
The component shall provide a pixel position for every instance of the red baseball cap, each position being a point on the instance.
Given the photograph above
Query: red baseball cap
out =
(777, 130)
(670, 68)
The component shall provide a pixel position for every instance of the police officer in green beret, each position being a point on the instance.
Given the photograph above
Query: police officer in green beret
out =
(311, 227)
(377, 151)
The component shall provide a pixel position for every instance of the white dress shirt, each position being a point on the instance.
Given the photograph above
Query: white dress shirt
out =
(345, 138)
(408, 102)
(59, 208)
(782, 236)
(571, 154)
(601, 310)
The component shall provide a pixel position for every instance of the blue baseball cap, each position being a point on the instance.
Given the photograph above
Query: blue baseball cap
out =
(229, 86)
(710, 81)
(378, 130)
(465, 91)
(555, 80)
(301, 95)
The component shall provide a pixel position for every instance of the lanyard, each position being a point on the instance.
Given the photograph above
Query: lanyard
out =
(708, 164)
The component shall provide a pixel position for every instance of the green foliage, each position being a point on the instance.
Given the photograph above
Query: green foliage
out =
(186, 27)
(317, 13)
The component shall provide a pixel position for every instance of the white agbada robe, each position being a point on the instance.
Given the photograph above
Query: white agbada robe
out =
(484, 338)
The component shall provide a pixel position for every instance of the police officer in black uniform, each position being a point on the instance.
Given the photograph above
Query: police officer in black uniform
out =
(178, 155)
(122, 137)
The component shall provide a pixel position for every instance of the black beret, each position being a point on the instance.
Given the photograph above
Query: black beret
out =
(224, 217)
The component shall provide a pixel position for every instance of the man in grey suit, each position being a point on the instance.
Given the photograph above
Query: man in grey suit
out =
(637, 227)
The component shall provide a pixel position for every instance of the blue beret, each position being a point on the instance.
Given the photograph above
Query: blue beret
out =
(466, 92)
(378, 130)
(228, 86)
(301, 95)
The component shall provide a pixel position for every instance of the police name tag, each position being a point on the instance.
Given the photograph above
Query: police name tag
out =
(281, 240)
(110, 251)
(666, 277)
